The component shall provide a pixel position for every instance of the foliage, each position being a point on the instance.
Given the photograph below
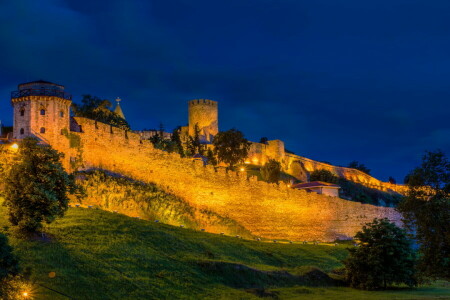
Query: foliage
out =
(355, 191)
(263, 140)
(9, 268)
(356, 165)
(271, 171)
(426, 211)
(194, 145)
(231, 147)
(94, 108)
(112, 191)
(384, 257)
(9, 264)
(323, 175)
(37, 187)
(176, 141)
(392, 180)
(212, 160)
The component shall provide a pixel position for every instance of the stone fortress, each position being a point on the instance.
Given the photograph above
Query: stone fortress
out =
(42, 109)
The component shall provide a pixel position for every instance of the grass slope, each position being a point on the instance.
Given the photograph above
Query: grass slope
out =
(102, 255)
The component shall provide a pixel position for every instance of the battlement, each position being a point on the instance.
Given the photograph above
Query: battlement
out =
(202, 102)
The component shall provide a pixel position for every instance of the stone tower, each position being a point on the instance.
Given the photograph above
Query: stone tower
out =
(204, 113)
(42, 110)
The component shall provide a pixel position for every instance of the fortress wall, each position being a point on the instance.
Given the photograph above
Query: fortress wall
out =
(267, 210)
(260, 154)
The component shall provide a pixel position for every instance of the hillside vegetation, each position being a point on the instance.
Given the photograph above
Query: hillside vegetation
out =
(114, 192)
(102, 255)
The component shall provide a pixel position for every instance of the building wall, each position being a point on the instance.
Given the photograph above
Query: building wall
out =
(204, 113)
(267, 210)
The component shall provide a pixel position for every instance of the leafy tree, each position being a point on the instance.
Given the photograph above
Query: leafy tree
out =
(100, 110)
(37, 186)
(194, 144)
(212, 160)
(323, 175)
(384, 257)
(263, 140)
(231, 147)
(9, 268)
(271, 171)
(426, 212)
(356, 165)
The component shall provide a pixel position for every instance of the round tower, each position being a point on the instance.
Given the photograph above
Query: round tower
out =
(42, 110)
(204, 113)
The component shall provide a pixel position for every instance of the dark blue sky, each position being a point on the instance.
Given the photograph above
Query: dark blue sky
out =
(336, 80)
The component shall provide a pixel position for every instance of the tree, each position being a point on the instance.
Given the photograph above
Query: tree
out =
(194, 144)
(426, 212)
(9, 268)
(231, 147)
(392, 180)
(271, 171)
(37, 186)
(383, 257)
(212, 160)
(356, 165)
(9, 264)
(263, 140)
(97, 109)
(323, 175)
(176, 139)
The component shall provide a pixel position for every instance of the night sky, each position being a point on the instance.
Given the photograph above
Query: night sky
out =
(335, 80)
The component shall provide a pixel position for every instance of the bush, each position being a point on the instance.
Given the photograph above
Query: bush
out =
(384, 257)
(271, 171)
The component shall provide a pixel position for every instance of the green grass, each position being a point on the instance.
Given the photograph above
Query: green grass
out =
(102, 255)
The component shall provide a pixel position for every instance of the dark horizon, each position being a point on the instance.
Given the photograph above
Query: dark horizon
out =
(335, 81)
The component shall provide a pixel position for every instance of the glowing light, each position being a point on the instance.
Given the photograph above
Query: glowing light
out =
(246, 162)
(288, 185)
(255, 159)
(14, 146)
(25, 294)
(242, 169)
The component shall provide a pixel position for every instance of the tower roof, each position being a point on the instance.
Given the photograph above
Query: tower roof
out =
(118, 109)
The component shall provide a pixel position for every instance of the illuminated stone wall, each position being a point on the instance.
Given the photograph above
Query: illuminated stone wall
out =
(266, 210)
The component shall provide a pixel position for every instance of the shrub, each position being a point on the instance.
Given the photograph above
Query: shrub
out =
(384, 257)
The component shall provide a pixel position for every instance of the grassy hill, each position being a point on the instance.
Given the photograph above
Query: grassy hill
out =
(102, 255)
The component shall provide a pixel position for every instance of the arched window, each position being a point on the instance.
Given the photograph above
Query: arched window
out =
(22, 131)
(22, 112)
(42, 130)
(42, 112)
(61, 114)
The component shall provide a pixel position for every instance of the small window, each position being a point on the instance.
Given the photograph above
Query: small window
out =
(22, 112)
(22, 131)
(42, 130)
(42, 112)
(61, 114)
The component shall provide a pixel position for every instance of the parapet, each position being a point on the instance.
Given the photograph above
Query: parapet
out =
(202, 102)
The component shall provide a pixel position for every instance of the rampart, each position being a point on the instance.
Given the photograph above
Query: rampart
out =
(297, 165)
(267, 210)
